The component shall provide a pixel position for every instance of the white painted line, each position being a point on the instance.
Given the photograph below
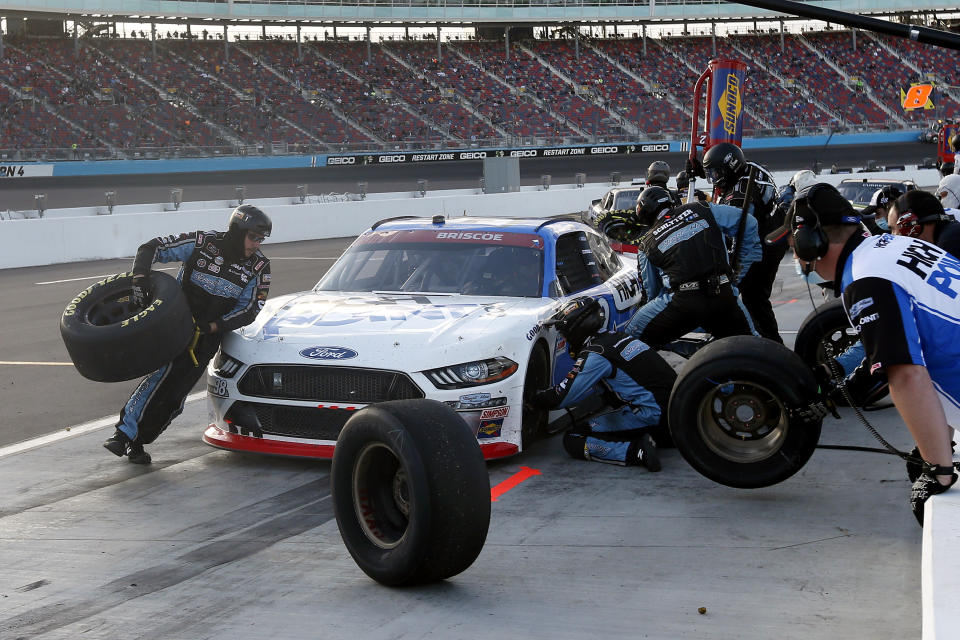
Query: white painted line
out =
(76, 430)
(37, 364)
(97, 277)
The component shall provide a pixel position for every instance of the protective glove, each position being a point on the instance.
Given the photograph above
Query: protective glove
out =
(142, 290)
(694, 167)
(205, 328)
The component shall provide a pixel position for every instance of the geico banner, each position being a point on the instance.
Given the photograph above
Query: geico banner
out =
(26, 170)
(550, 152)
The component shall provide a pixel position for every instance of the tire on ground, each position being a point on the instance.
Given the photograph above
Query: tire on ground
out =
(534, 423)
(411, 492)
(733, 412)
(110, 340)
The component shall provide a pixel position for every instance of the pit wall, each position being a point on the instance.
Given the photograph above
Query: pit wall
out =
(9, 169)
(93, 233)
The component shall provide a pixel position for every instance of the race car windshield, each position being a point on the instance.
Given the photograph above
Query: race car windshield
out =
(860, 193)
(626, 200)
(468, 269)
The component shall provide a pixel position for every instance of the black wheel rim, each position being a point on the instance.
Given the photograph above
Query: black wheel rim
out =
(742, 421)
(839, 338)
(111, 308)
(381, 496)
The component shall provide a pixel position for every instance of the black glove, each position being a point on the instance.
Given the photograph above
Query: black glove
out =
(695, 168)
(205, 327)
(142, 291)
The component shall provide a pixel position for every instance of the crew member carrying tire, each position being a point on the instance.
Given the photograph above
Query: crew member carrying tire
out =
(726, 167)
(225, 279)
(688, 281)
(634, 380)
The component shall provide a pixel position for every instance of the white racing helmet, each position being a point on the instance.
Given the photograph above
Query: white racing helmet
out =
(949, 191)
(803, 179)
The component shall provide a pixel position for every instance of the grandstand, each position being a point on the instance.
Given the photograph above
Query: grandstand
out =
(75, 87)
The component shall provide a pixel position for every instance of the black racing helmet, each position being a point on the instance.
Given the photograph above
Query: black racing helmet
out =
(724, 163)
(651, 202)
(247, 217)
(577, 320)
(658, 173)
(683, 182)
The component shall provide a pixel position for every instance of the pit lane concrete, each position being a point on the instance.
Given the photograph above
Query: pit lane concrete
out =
(212, 544)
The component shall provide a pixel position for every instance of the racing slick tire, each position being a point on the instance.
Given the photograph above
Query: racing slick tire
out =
(534, 421)
(411, 492)
(828, 324)
(740, 412)
(110, 339)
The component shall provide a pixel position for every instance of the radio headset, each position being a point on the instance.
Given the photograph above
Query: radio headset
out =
(810, 243)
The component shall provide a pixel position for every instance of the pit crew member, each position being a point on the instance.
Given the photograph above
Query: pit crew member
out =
(226, 279)
(635, 378)
(901, 294)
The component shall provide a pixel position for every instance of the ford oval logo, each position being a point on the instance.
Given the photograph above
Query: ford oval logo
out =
(329, 353)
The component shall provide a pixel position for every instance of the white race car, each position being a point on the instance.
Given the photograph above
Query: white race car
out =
(450, 310)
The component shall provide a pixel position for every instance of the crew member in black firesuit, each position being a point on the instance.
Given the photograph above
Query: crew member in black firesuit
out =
(686, 275)
(658, 174)
(226, 279)
(726, 167)
(635, 380)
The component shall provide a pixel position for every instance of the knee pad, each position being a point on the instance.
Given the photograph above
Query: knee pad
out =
(574, 444)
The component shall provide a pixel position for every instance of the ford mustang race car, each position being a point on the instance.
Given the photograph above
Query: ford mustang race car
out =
(451, 310)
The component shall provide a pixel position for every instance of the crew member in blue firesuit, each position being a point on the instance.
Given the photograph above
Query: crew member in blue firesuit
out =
(225, 278)
(633, 378)
(687, 278)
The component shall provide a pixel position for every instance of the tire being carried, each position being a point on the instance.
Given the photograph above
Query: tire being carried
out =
(411, 492)
(110, 339)
(736, 412)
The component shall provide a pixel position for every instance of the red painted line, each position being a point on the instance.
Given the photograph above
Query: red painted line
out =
(512, 481)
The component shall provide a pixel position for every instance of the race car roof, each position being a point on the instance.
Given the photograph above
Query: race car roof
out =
(545, 227)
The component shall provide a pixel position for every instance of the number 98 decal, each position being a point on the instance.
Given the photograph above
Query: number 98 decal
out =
(217, 387)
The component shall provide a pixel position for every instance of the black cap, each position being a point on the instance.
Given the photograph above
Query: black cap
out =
(824, 202)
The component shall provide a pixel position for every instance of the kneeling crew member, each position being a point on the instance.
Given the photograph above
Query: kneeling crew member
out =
(624, 370)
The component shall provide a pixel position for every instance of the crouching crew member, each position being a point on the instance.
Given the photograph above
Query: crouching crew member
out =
(632, 377)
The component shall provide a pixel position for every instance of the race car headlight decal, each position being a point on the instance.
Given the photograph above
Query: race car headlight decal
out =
(472, 374)
(225, 366)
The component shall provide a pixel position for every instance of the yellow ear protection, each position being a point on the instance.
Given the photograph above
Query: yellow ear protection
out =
(809, 241)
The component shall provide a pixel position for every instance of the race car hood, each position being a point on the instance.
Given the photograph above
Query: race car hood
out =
(379, 330)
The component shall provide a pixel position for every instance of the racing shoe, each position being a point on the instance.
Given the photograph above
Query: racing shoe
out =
(927, 485)
(117, 443)
(120, 444)
(136, 454)
(643, 451)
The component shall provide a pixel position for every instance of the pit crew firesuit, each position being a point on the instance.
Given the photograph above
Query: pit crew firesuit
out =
(220, 286)
(756, 285)
(686, 276)
(628, 373)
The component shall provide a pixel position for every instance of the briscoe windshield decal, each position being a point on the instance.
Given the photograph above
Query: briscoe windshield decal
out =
(328, 353)
(443, 236)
